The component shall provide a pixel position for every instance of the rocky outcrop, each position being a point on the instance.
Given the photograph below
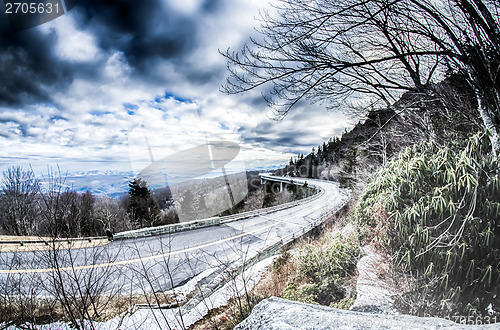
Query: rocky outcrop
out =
(280, 314)
(372, 309)
(373, 295)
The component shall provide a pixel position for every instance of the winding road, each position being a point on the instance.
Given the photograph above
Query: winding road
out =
(160, 263)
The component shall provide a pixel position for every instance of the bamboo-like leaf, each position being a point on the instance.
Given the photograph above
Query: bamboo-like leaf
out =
(429, 269)
(471, 270)
(444, 280)
(487, 275)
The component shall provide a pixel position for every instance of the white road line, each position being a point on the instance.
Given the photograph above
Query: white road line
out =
(124, 262)
(141, 259)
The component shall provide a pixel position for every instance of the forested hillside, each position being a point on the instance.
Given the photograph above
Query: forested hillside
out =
(428, 189)
(423, 163)
(444, 114)
(30, 207)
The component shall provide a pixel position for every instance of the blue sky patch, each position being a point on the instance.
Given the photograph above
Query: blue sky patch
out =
(131, 108)
(169, 95)
(100, 113)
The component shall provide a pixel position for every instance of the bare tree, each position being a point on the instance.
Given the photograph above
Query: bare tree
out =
(84, 293)
(254, 200)
(368, 52)
(89, 226)
(111, 215)
(22, 297)
(18, 213)
(52, 204)
(155, 280)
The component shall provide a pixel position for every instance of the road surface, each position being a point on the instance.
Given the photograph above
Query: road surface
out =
(159, 263)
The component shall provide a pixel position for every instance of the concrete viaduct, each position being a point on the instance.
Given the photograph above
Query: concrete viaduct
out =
(281, 180)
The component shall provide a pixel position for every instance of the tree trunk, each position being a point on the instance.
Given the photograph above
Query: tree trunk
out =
(489, 125)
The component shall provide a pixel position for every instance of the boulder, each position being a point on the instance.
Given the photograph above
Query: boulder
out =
(280, 314)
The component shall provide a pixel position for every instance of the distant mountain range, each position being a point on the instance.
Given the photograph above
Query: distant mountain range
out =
(115, 183)
(106, 183)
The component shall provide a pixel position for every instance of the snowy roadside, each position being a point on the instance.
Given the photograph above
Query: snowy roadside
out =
(179, 317)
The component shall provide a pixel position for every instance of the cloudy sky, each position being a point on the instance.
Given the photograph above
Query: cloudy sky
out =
(92, 88)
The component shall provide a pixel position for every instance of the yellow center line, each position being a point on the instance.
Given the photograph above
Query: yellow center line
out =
(124, 262)
(157, 256)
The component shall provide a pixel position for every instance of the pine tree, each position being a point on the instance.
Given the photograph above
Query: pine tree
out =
(142, 207)
(269, 196)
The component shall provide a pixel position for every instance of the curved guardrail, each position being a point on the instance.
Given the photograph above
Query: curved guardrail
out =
(220, 280)
(190, 225)
(49, 241)
(213, 221)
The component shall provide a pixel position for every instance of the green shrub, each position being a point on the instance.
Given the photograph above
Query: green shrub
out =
(290, 291)
(283, 258)
(437, 210)
(344, 303)
(322, 268)
(238, 311)
(326, 292)
(308, 293)
(336, 258)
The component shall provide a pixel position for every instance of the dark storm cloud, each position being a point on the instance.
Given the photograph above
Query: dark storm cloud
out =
(211, 5)
(203, 75)
(271, 134)
(146, 32)
(143, 30)
(28, 66)
(89, 77)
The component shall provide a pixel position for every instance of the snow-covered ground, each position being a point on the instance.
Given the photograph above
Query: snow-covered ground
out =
(176, 318)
